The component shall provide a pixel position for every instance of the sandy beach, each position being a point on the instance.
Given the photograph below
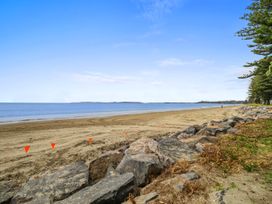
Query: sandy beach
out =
(71, 138)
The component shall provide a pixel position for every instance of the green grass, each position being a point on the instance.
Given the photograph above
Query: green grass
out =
(255, 140)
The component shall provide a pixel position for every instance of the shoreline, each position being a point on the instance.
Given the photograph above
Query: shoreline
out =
(71, 137)
(103, 115)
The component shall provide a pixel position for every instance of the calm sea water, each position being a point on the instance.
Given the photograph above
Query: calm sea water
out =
(10, 112)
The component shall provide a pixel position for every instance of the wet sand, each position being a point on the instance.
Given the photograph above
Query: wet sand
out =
(71, 138)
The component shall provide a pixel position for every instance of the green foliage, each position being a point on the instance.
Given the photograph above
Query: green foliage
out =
(259, 32)
(269, 72)
(250, 167)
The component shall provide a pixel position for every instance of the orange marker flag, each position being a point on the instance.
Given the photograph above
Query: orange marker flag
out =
(27, 148)
(53, 145)
(90, 140)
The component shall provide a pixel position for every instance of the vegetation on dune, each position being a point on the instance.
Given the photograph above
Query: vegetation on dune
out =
(250, 149)
(259, 32)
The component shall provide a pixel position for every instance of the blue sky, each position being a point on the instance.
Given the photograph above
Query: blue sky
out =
(121, 50)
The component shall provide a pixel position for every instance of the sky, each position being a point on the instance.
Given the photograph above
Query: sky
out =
(122, 50)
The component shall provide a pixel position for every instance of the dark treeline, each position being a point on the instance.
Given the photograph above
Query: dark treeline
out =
(259, 32)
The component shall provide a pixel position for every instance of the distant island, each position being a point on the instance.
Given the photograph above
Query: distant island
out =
(138, 102)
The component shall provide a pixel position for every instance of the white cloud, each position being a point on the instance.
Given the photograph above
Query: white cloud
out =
(154, 9)
(179, 62)
(146, 77)
(104, 78)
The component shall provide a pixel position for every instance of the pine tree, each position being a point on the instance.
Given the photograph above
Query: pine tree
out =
(259, 32)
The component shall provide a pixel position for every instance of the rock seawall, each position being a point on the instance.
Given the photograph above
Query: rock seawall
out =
(115, 174)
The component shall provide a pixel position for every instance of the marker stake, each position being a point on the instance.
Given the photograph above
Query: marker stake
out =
(27, 148)
(53, 146)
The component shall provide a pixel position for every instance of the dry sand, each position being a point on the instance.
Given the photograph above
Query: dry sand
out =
(71, 138)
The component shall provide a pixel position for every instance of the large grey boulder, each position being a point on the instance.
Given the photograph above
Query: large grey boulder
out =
(109, 190)
(188, 132)
(192, 130)
(229, 122)
(211, 131)
(237, 119)
(175, 150)
(144, 159)
(143, 145)
(213, 128)
(54, 186)
(143, 166)
(7, 190)
(148, 146)
(208, 139)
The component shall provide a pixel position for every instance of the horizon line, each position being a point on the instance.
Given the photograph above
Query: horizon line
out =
(202, 101)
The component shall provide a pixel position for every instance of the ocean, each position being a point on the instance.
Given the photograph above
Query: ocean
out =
(13, 112)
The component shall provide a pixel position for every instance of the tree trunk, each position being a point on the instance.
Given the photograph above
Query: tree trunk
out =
(267, 102)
